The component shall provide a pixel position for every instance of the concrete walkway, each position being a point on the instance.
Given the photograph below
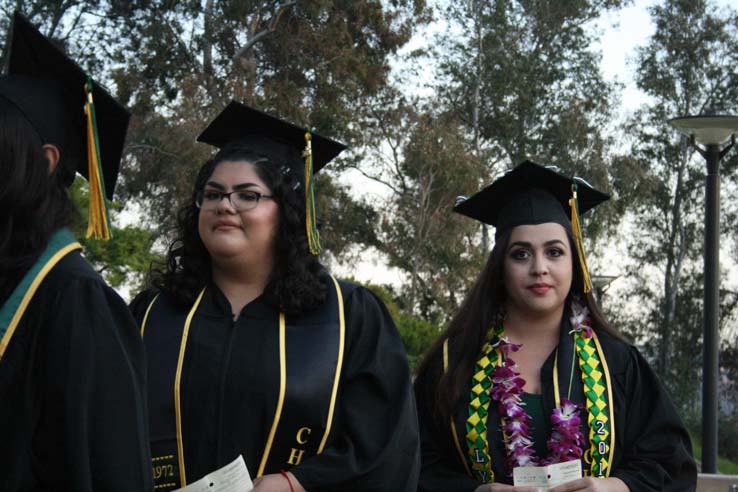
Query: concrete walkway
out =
(707, 482)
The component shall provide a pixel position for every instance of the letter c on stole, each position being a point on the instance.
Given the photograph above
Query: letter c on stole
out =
(302, 431)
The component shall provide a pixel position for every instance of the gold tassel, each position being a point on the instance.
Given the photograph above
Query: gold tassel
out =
(578, 238)
(98, 221)
(312, 229)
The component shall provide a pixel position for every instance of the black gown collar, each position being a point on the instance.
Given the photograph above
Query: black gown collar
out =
(559, 363)
(214, 303)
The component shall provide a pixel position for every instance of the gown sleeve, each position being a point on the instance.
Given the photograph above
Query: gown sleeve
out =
(657, 454)
(376, 432)
(440, 470)
(93, 408)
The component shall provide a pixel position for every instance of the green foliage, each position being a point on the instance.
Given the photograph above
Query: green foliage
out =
(725, 465)
(343, 219)
(728, 422)
(126, 258)
(429, 166)
(315, 62)
(176, 64)
(728, 437)
(541, 94)
(417, 333)
(524, 78)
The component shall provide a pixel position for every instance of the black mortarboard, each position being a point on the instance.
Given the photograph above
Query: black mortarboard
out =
(532, 194)
(67, 109)
(282, 143)
(49, 88)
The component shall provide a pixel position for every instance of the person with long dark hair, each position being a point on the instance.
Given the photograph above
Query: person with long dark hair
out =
(253, 349)
(529, 372)
(72, 402)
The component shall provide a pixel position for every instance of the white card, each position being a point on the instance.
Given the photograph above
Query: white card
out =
(234, 477)
(549, 476)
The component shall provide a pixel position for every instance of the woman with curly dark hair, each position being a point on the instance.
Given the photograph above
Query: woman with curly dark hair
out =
(71, 360)
(529, 374)
(269, 356)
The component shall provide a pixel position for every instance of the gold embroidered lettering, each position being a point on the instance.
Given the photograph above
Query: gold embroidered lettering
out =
(163, 471)
(303, 430)
(295, 456)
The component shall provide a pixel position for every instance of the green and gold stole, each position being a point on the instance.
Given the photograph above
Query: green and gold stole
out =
(61, 243)
(597, 389)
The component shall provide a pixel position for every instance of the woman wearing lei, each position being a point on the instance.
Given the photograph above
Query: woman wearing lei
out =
(529, 373)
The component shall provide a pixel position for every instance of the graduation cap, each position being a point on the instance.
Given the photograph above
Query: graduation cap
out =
(66, 108)
(532, 194)
(283, 143)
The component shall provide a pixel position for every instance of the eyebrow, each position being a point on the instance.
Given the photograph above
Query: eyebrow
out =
(240, 186)
(526, 244)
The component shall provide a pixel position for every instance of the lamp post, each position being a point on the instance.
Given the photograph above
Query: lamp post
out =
(601, 283)
(712, 132)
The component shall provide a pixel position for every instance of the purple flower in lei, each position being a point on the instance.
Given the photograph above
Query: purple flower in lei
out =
(580, 320)
(566, 439)
(565, 443)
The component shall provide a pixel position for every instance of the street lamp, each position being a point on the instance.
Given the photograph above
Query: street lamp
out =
(712, 132)
(601, 283)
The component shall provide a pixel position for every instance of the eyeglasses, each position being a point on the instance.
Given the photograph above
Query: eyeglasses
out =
(241, 200)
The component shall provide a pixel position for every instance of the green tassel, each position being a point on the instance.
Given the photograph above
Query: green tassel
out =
(312, 229)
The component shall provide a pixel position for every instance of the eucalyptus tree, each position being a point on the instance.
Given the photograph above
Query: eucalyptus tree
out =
(541, 93)
(176, 63)
(524, 78)
(317, 63)
(424, 159)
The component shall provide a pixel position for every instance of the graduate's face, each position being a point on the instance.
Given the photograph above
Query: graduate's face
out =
(538, 268)
(230, 234)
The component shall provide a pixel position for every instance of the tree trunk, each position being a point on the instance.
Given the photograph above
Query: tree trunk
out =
(207, 49)
(247, 61)
(246, 55)
(477, 13)
(673, 272)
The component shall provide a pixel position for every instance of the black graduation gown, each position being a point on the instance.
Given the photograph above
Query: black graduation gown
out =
(652, 448)
(72, 405)
(230, 382)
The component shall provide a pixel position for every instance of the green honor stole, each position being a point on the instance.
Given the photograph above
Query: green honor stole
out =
(577, 352)
(61, 243)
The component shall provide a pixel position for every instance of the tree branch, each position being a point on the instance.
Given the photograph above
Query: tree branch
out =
(257, 37)
(374, 178)
(133, 147)
(207, 55)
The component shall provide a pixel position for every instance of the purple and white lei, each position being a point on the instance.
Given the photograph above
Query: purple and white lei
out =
(565, 443)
